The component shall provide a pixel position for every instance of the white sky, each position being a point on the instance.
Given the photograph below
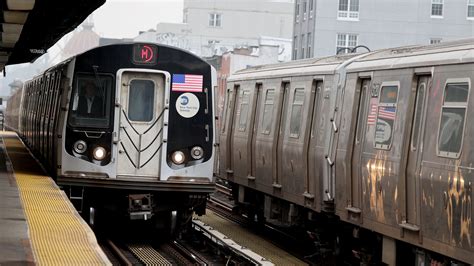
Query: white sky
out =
(125, 18)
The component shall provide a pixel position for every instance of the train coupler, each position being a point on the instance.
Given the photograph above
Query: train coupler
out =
(140, 206)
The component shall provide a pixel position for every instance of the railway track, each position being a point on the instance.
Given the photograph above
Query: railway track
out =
(146, 253)
(221, 206)
(203, 245)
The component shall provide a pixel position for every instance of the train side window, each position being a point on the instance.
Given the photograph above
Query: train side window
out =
(244, 109)
(453, 114)
(386, 113)
(141, 98)
(296, 112)
(268, 111)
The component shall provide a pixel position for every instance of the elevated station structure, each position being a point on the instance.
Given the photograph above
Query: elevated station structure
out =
(30, 27)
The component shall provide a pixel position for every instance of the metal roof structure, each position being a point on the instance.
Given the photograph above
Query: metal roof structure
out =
(30, 27)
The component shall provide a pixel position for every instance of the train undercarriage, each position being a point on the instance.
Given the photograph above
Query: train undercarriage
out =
(331, 239)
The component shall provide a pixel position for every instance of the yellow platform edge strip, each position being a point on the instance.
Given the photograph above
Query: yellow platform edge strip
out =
(58, 234)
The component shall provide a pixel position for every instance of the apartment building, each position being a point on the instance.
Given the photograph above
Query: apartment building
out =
(324, 27)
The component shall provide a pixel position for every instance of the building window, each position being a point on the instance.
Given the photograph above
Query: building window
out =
(185, 15)
(348, 9)
(345, 42)
(295, 48)
(470, 9)
(435, 40)
(303, 43)
(453, 114)
(214, 20)
(304, 10)
(311, 8)
(436, 8)
(310, 41)
(297, 12)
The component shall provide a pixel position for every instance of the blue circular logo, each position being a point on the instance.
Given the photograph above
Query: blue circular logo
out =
(184, 100)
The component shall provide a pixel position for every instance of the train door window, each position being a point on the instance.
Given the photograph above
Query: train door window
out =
(91, 101)
(296, 111)
(268, 111)
(244, 109)
(225, 109)
(362, 109)
(386, 113)
(453, 113)
(141, 98)
(420, 103)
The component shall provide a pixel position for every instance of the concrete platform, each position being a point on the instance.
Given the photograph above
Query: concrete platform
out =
(38, 223)
(15, 245)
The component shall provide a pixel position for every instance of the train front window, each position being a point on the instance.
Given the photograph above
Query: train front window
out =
(91, 98)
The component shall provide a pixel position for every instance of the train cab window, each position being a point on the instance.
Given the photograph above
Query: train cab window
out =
(244, 109)
(453, 113)
(268, 111)
(296, 111)
(386, 113)
(141, 98)
(91, 101)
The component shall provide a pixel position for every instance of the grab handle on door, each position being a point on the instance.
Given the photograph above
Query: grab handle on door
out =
(334, 127)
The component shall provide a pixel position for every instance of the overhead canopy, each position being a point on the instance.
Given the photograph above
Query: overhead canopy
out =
(30, 27)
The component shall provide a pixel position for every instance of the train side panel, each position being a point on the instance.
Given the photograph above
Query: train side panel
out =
(446, 199)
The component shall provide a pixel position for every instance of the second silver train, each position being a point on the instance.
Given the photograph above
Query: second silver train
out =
(382, 140)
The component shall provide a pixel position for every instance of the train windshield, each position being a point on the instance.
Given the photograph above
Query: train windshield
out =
(91, 101)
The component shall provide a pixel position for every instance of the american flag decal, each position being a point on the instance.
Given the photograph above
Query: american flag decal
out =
(187, 83)
(373, 112)
(372, 115)
(387, 113)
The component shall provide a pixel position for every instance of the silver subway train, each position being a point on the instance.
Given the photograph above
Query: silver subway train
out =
(125, 129)
(383, 141)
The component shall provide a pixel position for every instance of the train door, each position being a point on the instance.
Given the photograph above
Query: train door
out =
(142, 97)
(316, 89)
(361, 124)
(314, 178)
(294, 138)
(281, 127)
(225, 148)
(414, 155)
(254, 122)
(241, 135)
(264, 147)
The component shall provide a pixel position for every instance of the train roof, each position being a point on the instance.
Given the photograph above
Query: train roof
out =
(324, 65)
(453, 52)
(67, 60)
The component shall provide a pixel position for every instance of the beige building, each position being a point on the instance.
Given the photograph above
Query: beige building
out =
(212, 27)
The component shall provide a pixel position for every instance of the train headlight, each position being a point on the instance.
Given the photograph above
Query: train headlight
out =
(80, 146)
(178, 157)
(99, 153)
(197, 152)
